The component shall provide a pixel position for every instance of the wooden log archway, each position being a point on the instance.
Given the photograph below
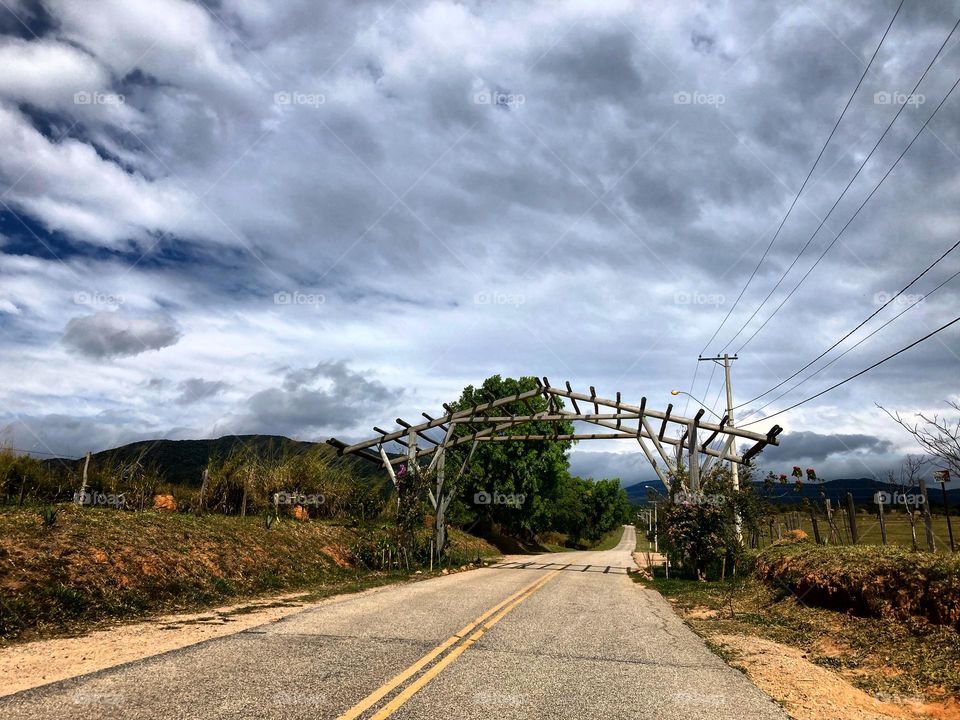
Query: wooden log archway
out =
(487, 421)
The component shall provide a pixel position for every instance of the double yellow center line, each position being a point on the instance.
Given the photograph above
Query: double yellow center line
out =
(469, 635)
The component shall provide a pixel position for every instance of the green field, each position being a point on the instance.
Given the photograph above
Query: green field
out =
(868, 527)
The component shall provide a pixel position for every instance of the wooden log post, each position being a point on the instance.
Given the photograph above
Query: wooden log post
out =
(927, 517)
(692, 458)
(83, 482)
(203, 492)
(883, 520)
(834, 533)
(439, 525)
(946, 512)
(852, 519)
(814, 523)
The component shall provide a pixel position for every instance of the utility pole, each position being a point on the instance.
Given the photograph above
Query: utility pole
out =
(734, 468)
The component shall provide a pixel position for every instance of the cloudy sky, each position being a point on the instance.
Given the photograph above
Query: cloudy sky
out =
(308, 218)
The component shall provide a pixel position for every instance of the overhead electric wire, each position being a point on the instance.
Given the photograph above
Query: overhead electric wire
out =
(805, 180)
(41, 452)
(852, 217)
(854, 346)
(855, 376)
(786, 272)
(851, 332)
(792, 204)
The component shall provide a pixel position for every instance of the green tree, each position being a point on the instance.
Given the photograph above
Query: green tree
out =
(587, 509)
(530, 471)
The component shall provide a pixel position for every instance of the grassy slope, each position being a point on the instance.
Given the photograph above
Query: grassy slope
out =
(100, 565)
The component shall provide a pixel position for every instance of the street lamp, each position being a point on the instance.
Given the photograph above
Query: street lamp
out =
(681, 392)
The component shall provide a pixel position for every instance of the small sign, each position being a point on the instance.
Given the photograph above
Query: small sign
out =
(941, 475)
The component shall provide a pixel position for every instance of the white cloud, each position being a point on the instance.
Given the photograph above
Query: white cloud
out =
(598, 201)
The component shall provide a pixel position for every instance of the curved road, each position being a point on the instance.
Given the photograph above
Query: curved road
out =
(567, 635)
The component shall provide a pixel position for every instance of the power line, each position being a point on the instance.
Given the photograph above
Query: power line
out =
(805, 181)
(41, 452)
(852, 217)
(854, 377)
(849, 184)
(851, 332)
(790, 209)
(855, 345)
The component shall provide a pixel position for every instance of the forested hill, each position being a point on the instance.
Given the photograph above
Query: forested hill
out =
(182, 461)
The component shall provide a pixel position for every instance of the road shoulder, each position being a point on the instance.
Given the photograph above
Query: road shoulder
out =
(33, 664)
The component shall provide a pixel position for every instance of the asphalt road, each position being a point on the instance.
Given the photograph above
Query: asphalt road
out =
(568, 635)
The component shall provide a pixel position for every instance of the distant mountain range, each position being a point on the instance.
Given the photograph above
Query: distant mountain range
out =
(862, 489)
(182, 461)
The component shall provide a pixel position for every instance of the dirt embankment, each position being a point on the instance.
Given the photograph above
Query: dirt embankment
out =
(94, 567)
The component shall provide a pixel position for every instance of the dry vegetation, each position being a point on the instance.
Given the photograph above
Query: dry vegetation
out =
(94, 566)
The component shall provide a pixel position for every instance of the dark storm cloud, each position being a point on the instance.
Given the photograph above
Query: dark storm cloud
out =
(108, 334)
(326, 395)
(594, 65)
(629, 468)
(194, 390)
(816, 447)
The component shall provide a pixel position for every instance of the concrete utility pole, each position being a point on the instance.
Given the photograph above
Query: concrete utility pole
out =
(734, 468)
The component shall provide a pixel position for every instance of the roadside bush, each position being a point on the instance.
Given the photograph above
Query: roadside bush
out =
(24, 479)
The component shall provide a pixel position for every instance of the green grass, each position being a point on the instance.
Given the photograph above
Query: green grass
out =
(868, 527)
(610, 540)
(643, 545)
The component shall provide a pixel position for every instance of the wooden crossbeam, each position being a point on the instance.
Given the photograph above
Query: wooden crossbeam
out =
(632, 432)
(430, 419)
(404, 424)
(693, 440)
(572, 399)
(739, 432)
(723, 422)
(769, 440)
(655, 439)
(558, 437)
(443, 420)
(549, 417)
(643, 409)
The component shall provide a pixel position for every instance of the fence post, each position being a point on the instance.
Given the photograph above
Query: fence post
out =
(813, 521)
(203, 491)
(852, 517)
(834, 535)
(883, 523)
(946, 511)
(927, 519)
(83, 483)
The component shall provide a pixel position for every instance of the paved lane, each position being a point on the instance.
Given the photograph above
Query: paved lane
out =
(568, 635)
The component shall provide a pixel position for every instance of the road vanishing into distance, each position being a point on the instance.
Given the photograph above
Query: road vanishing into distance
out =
(566, 635)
